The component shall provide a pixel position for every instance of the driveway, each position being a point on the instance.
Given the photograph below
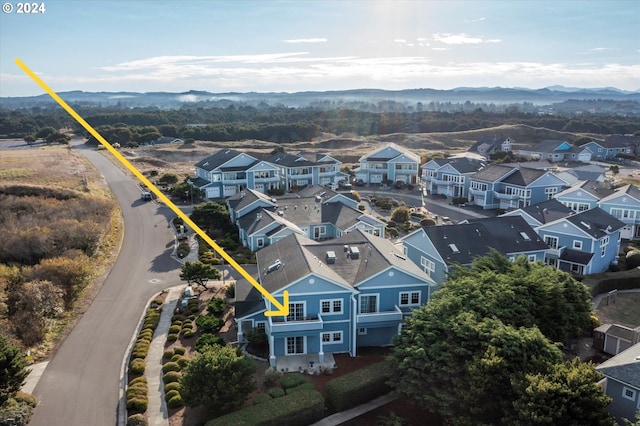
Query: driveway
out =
(81, 384)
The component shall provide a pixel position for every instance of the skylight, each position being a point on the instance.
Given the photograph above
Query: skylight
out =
(454, 248)
(525, 236)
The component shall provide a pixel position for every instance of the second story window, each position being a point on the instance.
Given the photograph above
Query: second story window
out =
(368, 303)
(333, 306)
(296, 312)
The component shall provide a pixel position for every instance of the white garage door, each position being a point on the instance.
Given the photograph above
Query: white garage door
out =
(213, 192)
(229, 190)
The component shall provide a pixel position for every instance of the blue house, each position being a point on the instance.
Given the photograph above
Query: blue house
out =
(582, 243)
(344, 294)
(613, 145)
(541, 213)
(554, 151)
(508, 187)
(584, 195)
(622, 383)
(437, 248)
(450, 176)
(624, 204)
(389, 163)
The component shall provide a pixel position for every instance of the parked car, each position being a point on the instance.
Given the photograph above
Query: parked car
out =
(400, 184)
(359, 182)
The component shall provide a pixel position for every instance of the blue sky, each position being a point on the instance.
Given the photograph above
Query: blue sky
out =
(274, 46)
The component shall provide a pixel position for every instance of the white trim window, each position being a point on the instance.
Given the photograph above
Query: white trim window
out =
(531, 258)
(409, 298)
(628, 393)
(331, 306)
(427, 265)
(261, 325)
(296, 311)
(577, 244)
(362, 331)
(331, 337)
(295, 345)
(552, 242)
(368, 303)
(260, 242)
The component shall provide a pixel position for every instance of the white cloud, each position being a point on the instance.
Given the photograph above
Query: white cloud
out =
(461, 38)
(471, 21)
(306, 40)
(400, 40)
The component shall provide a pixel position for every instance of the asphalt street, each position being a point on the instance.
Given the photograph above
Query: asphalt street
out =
(81, 384)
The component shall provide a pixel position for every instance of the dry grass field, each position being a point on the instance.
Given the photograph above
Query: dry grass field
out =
(625, 310)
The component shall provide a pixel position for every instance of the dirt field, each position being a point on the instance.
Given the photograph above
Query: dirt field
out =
(625, 310)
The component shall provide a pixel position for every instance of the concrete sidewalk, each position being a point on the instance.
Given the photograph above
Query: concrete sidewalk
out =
(345, 416)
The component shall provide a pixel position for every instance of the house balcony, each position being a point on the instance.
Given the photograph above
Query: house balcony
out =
(426, 178)
(441, 182)
(268, 179)
(386, 316)
(234, 181)
(505, 196)
(300, 176)
(281, 325)
(477, 192)
(555, 252)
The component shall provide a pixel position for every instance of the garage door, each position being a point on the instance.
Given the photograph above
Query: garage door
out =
(213, 192)
(229, 190)
(376, 178)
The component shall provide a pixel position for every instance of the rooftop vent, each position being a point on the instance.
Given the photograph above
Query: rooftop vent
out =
(331, 257)
(258, 217)
(354, 252)
(274, 266)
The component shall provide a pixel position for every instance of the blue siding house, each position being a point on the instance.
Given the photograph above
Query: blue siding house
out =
(389, 163)
(435, 249)
(624, 204)
(584, 195)
(622, 383)
(582, 243)
(450, 176)
(344, 294)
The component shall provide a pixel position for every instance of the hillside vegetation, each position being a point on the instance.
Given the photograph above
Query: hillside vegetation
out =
(58, 231)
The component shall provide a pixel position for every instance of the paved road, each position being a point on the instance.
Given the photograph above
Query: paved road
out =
(80, 386)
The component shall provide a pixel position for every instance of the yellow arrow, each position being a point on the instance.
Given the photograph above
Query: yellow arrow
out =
(281, 309)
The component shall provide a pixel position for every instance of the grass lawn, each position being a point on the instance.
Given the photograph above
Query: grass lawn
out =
(624, 311)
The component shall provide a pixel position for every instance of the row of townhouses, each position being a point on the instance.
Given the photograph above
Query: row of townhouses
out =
(228, 172)
(350, 287)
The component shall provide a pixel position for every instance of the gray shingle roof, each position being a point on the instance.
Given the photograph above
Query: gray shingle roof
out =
(214, 161)
(462, 243)
(289, 160)
(524, 176)
(624, 367)
(548, 211)
(492, 173)
(576, 256)
(595, 222)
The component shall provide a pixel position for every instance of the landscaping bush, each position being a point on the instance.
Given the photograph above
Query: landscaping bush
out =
(172, 337)
(175, 402)
(171, 366)
(168, 354)
(171, 376)
(138, 390)
(172, 386)
(209, 324)
(358, 387)
(208, 340)
(174, 329)
(188, 333)
(215, 306)
(182, 361)
(291, 380)
(138, 404)
(183, 250)
(301, 409)
(179, 350)
(137, 420)
(137, 366)
(177, 317)
(304, 386)
(261, 398)
(141, 379)
(633, 259)
(177, 322)
(27, 398)
(271, 375)
(276, 392)
(187, 325)
(171, 394)
(230, 291)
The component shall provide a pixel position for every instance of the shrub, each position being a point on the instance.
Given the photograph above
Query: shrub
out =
(179, 350)
(261, 398)
(171, 376)
(187, 325)
(208, 340)
(171, 366)
(137, 391)
(188, 333)
(304, 386)
(138, 404)
(183, 250)
(271, 375)
(291, 380)
(257, 336)
(215, 306)
(633, 259)
(27, 398)
(177, 322)
(168, 354)
(175, 402)
(172, 337)
(177, 317)
(276, 392)
(172, 386)
(137, 366)
(174, 329)
(230, 290)
(182, 361)
(171, 394)
(357, 387)
(209, 324)
(137, 420)
(302, 408)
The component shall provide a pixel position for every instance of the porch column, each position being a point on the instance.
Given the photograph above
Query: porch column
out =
(321, 353)
(272, 357)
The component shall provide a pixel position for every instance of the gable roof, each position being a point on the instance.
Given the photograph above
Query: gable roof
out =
(462, 164)
(595, 222)
(630, 190)
(463, 242)
(524, 176)
(300, 256)
(244, 198)
(595, 188)
(289, 160)
(389, 152)
(547, 211)
(624, 367)
(214, 161)
(493, 173)
(487, 143)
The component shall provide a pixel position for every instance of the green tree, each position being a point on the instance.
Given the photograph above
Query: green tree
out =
(168, 179)
(567, 395)
(219, 379)
(483, 334)
(12, 370)
(615, 169)
(400, 214)
(213, 218)
(45, 132)
(198, 273)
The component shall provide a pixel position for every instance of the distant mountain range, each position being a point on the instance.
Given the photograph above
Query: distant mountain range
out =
(331, 99)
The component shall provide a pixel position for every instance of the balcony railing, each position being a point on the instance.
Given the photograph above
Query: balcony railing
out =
(505, 196)
(475, 191)
(385, 316)
(281, 325)
(556, 252)
(441, 182)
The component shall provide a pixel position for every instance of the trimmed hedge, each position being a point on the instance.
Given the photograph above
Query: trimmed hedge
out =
(137, 404)
(261, 398)
(137, 366)
(607, 281)
(168, 354)
(175, 402)
(171, 394)
(172, 386)
(301, 409)
(304, 386)
(171, 366)
(276, 392)
(291, 380)
(171, 376)
(175, 329)
(358, 387)
(137, 420)
(180, 350)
